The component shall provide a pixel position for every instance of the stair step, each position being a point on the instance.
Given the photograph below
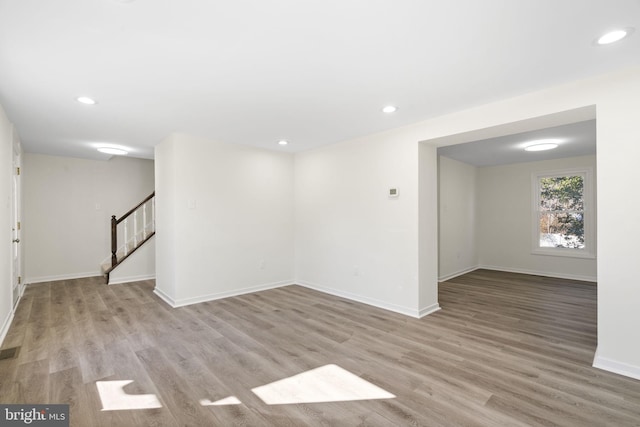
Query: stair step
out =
(104, 268)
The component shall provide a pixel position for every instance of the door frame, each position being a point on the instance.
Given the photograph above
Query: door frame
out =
(17, 282)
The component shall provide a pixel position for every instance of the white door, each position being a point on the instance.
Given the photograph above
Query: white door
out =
(16, 265)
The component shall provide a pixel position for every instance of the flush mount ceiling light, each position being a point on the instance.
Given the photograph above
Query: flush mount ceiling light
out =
(614, 36)
(283, 142)
(86, 100)
(113, 150)
(389, 109)
(542, 145)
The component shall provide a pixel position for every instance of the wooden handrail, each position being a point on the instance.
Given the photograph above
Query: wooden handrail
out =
(114, 228)
(123, 217)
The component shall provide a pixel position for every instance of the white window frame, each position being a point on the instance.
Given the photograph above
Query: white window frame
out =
(589, 250)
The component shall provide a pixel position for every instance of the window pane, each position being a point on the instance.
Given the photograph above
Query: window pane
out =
(562, 230)
(565, 193)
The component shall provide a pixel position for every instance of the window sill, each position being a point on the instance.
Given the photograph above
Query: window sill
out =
(564, 252)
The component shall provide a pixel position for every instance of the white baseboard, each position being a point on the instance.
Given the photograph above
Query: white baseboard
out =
(370, 301)
(211, 297)
(164, 297)
(539, 273)
(42, 279)
(428, 310)
(616, 367)
(7, 322)
(365, 300)
(5, 326)
(457, 273)
(131, 279)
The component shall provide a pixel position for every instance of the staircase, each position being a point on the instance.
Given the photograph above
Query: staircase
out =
(133, 229)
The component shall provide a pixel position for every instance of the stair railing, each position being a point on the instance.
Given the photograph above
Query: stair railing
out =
(141, 219)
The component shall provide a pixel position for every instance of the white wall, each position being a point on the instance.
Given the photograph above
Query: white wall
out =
(458, 224)
(6, 159)
(68, 203)
(224, 219)
(505, 221)
(353, 240)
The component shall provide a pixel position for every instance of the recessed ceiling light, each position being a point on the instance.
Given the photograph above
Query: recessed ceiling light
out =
(614, 36)
(283, 142)
(113, 150)
(389, 109)
(86, 100)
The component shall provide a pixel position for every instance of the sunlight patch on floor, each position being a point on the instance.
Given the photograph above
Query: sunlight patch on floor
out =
(231, 400)
(114, 398)
(329, 383)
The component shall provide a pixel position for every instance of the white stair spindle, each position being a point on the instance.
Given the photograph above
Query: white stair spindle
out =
(153, 214)
(125, 239)
(135, 228)
(144, 221)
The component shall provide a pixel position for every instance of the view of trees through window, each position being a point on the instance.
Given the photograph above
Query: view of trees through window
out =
(561, 212)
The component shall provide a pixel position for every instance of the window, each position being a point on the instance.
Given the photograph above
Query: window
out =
(563, 214)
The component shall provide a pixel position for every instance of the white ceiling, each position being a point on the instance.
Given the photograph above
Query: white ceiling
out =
(576, 139)
(255, 71)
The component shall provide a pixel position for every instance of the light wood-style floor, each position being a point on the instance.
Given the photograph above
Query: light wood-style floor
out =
(505, 350)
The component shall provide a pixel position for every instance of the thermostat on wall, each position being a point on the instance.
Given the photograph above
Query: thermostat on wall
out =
(393, 192)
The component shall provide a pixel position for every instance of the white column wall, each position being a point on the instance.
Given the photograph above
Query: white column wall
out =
(428, 226)
(618, 226)
(224, 219)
